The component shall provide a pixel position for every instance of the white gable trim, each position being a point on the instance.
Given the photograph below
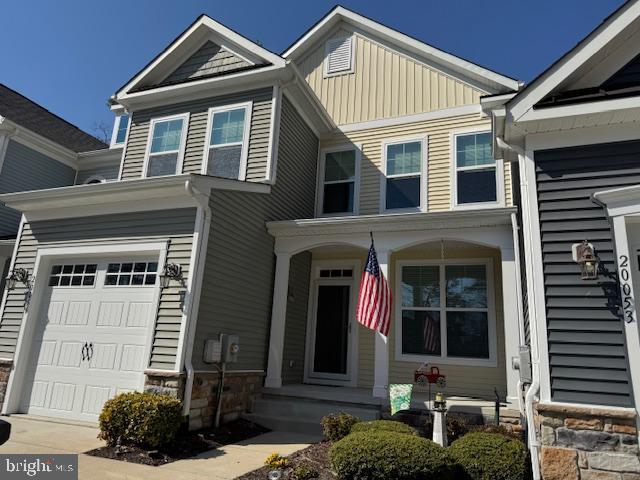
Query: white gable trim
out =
(573, 60)
(214, 31)
(493, 81)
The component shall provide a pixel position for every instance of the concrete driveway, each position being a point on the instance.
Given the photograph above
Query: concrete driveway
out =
(31, 435)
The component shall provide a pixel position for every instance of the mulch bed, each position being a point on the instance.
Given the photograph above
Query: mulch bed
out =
(315, 456)
(186, 445)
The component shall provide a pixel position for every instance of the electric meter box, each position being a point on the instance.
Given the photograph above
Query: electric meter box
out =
(212, 351)
(230, 347)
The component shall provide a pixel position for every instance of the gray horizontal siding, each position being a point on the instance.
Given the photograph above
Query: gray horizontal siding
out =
(173, 225)
(209, 59)
(108, 172)
(587, 352)
(238, 279)
(26, 169)
(194, 150)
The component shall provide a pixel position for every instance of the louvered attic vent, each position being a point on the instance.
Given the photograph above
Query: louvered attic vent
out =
(339, 55)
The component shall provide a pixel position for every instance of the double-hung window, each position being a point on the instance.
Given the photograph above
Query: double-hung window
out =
(339, 181)
(228, 141)
(445, 312)
(403, 187)
(476, 175)
(120, 130)
(166, 145)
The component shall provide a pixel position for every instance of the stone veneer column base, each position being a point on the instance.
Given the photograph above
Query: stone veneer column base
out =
(240, 391)
(165, 383)
(5, 371)
(587, 443)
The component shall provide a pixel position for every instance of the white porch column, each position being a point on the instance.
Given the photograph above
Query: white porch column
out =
(381, 358)
(511, 313)
(278, 317)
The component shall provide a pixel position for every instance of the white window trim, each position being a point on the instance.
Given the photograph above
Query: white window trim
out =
(491, 315)
(352, 60)
(183, 141)
(321, 183)
(499, 166)
(248, 106)
(424, 140)
(116, 127)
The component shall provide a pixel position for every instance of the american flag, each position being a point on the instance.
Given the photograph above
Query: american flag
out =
(374, 302)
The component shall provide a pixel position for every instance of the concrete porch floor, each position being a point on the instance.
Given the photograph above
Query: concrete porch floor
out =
(46, 436)
(363, 396)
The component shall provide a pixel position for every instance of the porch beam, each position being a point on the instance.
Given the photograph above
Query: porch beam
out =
(381, 355)
(278, 318)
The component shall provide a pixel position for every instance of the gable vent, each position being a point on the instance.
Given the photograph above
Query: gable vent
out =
(339, 55)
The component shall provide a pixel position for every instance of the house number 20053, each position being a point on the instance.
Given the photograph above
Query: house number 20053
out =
(625, 286)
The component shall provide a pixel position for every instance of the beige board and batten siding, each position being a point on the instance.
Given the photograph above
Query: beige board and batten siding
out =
(463, 380)
(439, 162)
(384, 84)
(175, 226)
(210, 59)
(237, 286)
(194, 150)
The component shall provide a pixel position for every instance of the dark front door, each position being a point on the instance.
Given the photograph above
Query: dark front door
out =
(331, 344)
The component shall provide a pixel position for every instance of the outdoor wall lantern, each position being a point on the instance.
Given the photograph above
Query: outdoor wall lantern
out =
(18, 275)
(584, 256)
(171, 271)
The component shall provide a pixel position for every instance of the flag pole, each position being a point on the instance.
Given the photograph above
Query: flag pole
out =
(371, 235)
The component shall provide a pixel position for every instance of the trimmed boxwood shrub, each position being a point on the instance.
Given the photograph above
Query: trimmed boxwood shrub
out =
(490, 456)
(337, 425)
(384, 426)
(141, 419)
(382, 455)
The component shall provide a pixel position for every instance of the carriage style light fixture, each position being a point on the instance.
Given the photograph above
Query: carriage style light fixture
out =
(171, 271)
(18, 275)
(584, 256)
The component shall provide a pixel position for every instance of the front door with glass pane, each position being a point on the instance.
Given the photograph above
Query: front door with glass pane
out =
(330, 332)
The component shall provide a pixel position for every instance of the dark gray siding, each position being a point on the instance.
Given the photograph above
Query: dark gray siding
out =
(627, 76)
(587, 352)
(295, 333)
(173, 225)
(194, 150)
(26, 169)
(517, 202)
(208, 60)
(238, 278)
(108, 172)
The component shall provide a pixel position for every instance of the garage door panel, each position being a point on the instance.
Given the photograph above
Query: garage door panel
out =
(110, 314)
(114, 319)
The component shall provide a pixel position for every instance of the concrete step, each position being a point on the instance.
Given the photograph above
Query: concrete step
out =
(303, 415)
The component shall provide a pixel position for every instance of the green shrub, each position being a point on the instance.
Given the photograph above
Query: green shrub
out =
(490, 456)
(500, 429)
(338, 425)
(304, 472)
(380, 455)
(144, 419)
(383, 426)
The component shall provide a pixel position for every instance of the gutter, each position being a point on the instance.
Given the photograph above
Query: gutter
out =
(534, 387)
(203, 225)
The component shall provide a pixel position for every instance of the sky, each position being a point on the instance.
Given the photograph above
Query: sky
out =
(70, 56)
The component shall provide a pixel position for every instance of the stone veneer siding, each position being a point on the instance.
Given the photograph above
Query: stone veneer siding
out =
(165, 383)
(239, 392)
(5, 371)
(583, 443)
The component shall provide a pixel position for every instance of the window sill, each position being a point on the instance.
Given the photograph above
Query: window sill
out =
(337, 215)
(431, 360)
(478, 206)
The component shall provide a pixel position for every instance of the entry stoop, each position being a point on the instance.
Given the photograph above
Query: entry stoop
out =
(301, 412)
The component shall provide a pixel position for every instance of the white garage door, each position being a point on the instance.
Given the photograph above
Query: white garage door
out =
(91, 339)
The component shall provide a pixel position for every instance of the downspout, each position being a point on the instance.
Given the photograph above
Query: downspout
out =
(534, 388)
(194, 302)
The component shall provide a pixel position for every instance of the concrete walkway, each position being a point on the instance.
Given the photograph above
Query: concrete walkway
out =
(30, 435)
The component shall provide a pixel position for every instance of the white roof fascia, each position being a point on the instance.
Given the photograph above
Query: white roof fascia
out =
(493, 80)
(232, 38)
(577, 57)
